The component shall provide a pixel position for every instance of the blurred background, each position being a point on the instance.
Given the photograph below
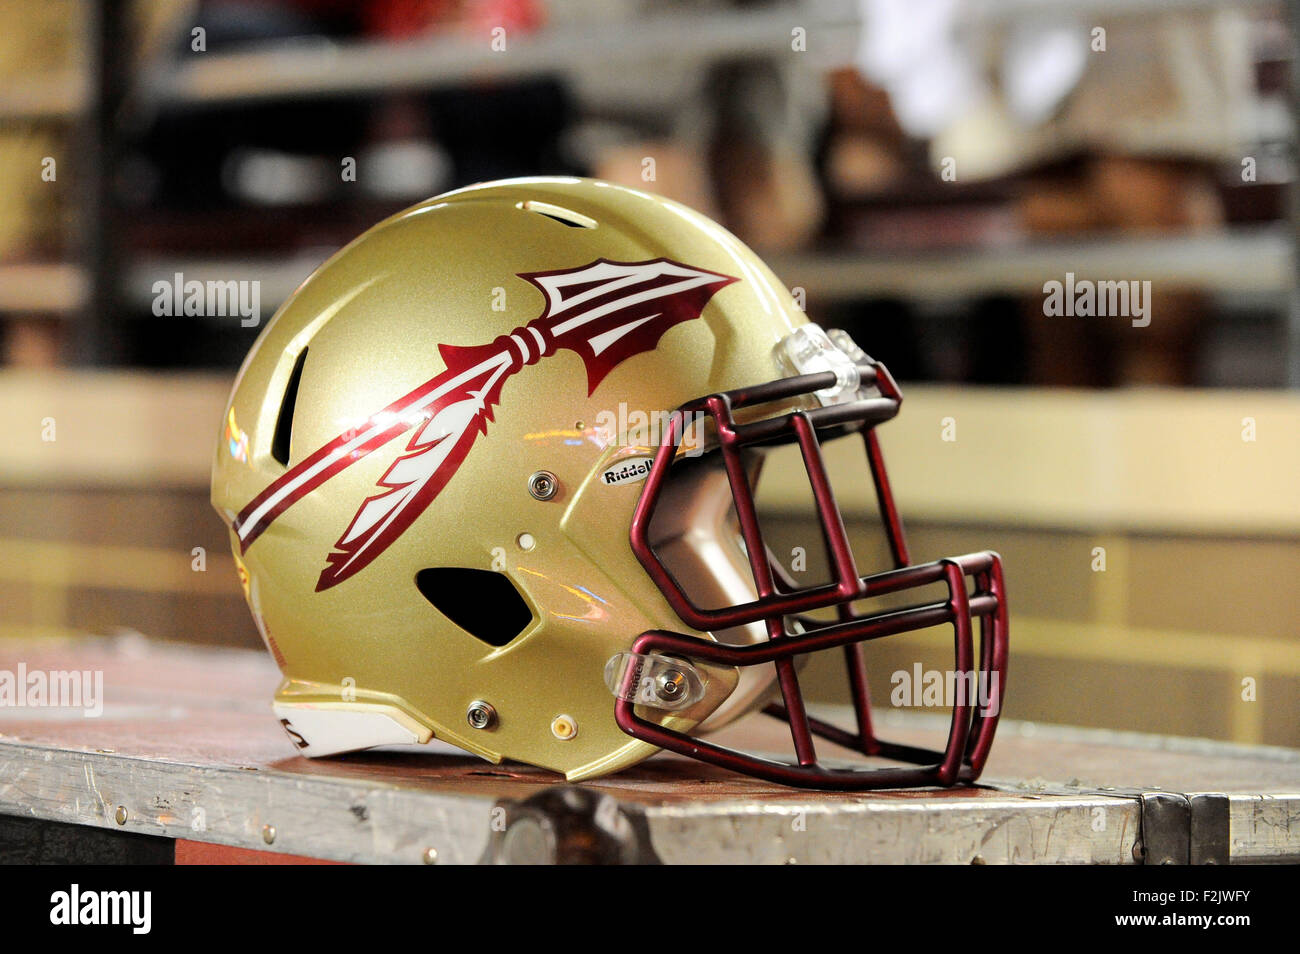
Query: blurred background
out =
(917, 171)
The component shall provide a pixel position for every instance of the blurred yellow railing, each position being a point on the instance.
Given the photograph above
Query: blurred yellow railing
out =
(1225, 462)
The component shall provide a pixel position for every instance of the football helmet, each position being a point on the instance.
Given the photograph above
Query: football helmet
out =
(489, 477)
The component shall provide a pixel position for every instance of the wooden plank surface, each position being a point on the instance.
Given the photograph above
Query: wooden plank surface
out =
(186, 747)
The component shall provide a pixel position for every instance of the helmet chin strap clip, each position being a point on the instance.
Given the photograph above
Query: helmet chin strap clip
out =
(660, 682)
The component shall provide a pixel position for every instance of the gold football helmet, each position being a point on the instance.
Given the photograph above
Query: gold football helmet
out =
(489, 478)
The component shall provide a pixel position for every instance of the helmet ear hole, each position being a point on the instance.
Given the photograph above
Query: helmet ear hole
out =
(484, 603)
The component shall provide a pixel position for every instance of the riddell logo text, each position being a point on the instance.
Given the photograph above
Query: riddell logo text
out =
(630, 471)
(77, 907)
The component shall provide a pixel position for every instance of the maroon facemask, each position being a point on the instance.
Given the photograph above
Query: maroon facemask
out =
(782, 604)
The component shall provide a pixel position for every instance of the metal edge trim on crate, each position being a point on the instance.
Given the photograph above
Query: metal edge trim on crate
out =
(335, 819)
(378, 822)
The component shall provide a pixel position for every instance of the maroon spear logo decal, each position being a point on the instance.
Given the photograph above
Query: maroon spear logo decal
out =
(605, 311)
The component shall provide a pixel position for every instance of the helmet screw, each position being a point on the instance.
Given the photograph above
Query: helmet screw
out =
(543, 485)
(481, 715)
(670, 684)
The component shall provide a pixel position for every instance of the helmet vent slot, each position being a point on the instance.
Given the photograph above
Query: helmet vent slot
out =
(484, 603)
(280, 440)
(573, 220)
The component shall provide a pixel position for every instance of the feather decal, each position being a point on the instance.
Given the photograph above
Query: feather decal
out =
(605, 311)
(433, 454)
